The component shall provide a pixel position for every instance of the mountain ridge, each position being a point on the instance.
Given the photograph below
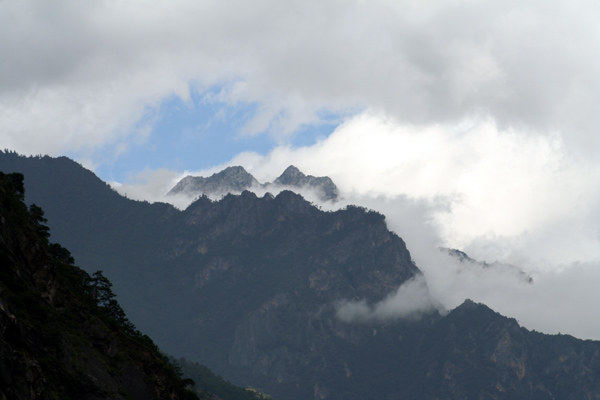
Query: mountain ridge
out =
(465, 260)
(236, 179)
(256, 277)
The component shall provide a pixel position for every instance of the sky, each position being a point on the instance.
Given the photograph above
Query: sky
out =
(469, 124)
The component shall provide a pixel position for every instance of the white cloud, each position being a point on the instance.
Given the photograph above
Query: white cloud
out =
(80, 75)
(411, 300)
(153, 185)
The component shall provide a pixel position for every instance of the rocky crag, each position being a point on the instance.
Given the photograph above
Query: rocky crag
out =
(249, 286)
(230, 180)
(235, 180)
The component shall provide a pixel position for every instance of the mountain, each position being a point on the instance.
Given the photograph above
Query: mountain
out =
(230, 180)
(57, 340)
(293, 178)
(63, 335)
(235, 180)
(251, 286)
(469, 262)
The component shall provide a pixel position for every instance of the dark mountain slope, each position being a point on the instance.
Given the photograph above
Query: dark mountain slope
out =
(257, 275)
(62, 334)
(475, 353)
(104, 230)
(55, 341)
(209, 275)
(248, 285)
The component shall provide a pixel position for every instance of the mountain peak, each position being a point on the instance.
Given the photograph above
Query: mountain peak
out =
(230, 180)
(236, 179)
(294, 178)
(290, 174)
(232, 171)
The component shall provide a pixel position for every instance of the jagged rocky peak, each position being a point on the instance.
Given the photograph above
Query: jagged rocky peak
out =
(294, 178)
(230, 180)
(236, 179)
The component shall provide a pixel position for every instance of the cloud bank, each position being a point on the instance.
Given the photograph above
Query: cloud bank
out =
(81, 76)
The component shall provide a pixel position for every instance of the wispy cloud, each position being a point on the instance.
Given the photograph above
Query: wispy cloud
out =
(411, 300)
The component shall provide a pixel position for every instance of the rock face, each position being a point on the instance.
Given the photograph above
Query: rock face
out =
(475, 353)
(249, 285)
(293, 178)
(53, 342)
(235, 180)
(265, 274)
(230, 180)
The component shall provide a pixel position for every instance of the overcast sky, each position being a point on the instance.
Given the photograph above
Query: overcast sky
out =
(470, 124)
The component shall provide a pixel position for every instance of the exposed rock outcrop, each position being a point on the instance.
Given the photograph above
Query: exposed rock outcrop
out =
(235, 180)
(293, 178)
(230, 180)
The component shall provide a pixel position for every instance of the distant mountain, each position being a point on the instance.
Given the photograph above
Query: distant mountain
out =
(464, 259)
(293, 178)
(235, 180)
(230, 180)
(249, 286)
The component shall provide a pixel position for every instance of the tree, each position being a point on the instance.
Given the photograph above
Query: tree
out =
(101, 289)
(59, 253)
(37, 217)
(16, 178)
(104, 298)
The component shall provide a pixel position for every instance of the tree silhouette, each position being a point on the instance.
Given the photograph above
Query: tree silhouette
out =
(101, 289)
(37, 217)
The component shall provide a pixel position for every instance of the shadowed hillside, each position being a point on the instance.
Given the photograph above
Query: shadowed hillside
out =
(63, 334)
